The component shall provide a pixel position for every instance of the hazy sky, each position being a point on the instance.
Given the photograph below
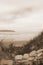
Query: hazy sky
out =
(23, 16)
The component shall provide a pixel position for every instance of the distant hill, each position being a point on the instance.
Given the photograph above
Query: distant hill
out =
(7, 31)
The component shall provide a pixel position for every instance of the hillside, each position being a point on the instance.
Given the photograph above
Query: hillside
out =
(34, 44)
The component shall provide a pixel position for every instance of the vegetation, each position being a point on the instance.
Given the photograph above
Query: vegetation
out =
(11, 51)
(34, 44)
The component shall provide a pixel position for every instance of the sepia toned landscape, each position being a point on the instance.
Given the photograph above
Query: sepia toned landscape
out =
(21, 32)
(21, 52)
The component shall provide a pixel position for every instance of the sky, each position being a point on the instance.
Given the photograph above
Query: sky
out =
(23, 16)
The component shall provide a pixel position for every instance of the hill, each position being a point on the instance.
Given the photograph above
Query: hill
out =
(34, 44)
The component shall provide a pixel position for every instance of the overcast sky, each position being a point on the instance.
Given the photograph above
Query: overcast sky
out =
(23, 16)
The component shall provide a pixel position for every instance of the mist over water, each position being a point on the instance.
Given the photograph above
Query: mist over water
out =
(18, 37)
